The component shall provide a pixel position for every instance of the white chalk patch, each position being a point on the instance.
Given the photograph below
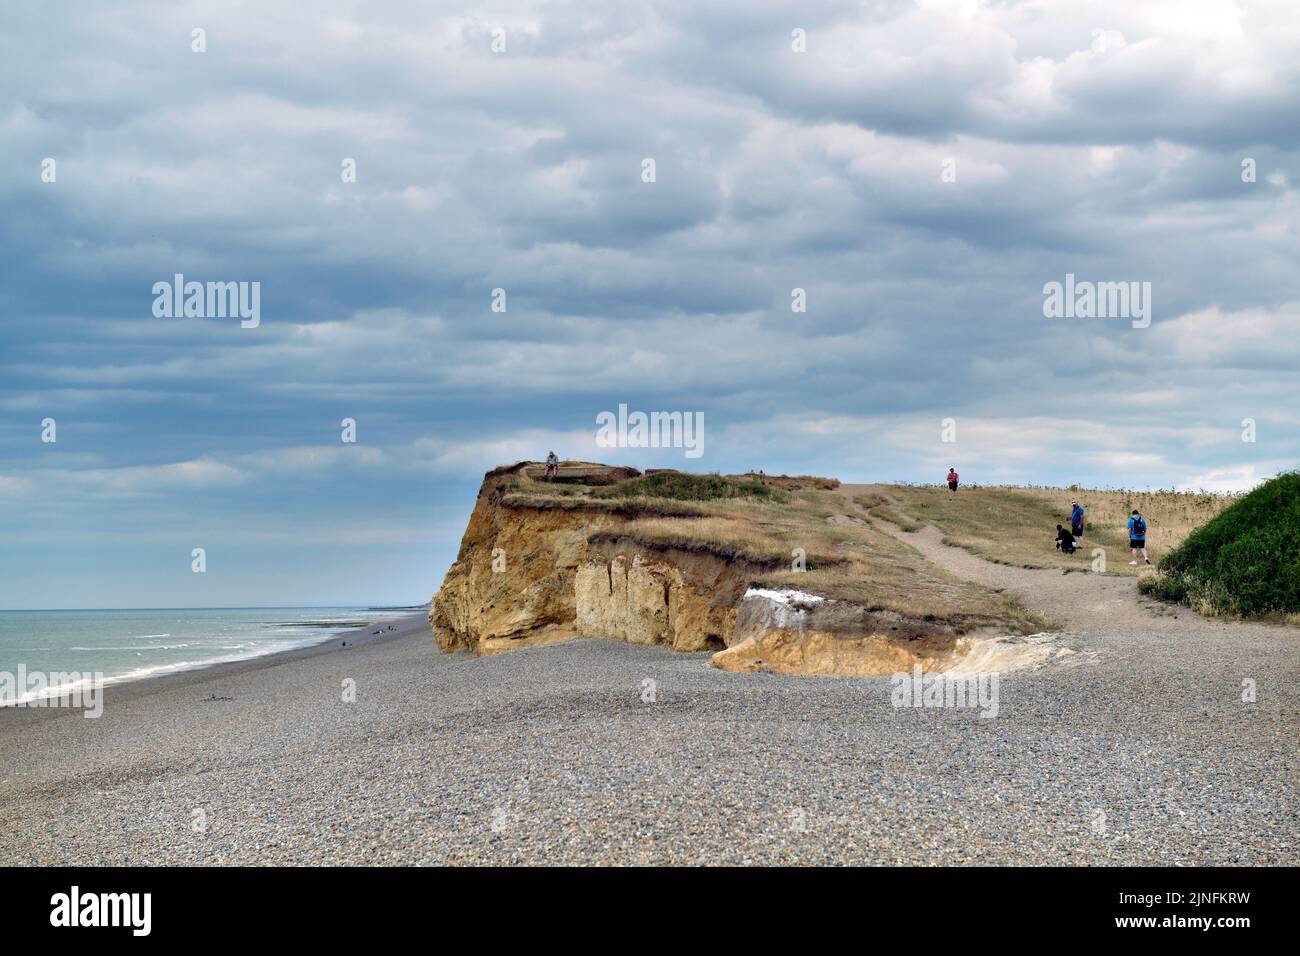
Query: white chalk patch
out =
(1010, 653)
(786, 596)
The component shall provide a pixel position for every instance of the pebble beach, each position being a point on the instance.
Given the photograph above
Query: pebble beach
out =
(1139, 751)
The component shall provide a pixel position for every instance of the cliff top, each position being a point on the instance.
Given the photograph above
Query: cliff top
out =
(800, 531)
(814, 534)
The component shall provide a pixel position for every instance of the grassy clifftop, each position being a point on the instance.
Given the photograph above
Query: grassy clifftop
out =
(1017, 526)
(798, 532)
(669, 557)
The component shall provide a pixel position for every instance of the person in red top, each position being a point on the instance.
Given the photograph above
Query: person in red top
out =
(952, 479)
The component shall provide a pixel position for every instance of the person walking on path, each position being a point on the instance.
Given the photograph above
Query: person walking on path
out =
(1076, 522)
(953, 478)
(1137, 536)
(552, 466)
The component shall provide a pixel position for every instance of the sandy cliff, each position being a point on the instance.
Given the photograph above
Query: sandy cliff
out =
(594, 554)
(531, 572)
(513, 581)
(657, 595)
(794, 632)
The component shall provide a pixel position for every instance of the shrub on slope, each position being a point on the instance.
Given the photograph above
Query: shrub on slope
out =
(1245, 560)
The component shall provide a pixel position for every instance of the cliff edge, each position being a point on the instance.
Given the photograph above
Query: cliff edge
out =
(769, 573)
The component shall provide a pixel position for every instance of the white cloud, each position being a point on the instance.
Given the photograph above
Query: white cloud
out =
(1227, 480)
(197, 473)
(1115, 159)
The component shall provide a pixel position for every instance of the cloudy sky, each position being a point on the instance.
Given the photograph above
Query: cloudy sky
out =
(920, 169)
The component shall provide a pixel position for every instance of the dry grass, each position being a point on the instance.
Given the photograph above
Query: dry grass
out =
(766, 532)
(734, 534)
(844, 556)
(880, 507)
(884, 574)
(1017, 526)
(791, 482)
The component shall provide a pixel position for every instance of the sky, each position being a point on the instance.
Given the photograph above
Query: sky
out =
(919, 171)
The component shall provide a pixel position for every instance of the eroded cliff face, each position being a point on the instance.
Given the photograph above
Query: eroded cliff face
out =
(792, 632)
(513, 581)
(538, 568)
(647, 595)
(530, 575)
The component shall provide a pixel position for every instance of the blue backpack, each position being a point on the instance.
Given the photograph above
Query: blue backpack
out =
(1139, 528)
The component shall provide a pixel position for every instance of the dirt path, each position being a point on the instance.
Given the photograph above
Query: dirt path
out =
(1087, 603)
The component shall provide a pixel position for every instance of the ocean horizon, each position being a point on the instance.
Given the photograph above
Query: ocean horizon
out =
(129, 644)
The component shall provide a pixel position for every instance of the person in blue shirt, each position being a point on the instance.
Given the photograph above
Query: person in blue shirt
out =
(1076, 523)
(1137, 536)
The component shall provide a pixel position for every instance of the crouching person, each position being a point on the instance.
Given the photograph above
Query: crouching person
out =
(1064, 540)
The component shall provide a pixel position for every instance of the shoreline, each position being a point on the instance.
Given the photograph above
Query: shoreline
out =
(124, 688)
(401, 754)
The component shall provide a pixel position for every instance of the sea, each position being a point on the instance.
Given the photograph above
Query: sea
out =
(125, 645)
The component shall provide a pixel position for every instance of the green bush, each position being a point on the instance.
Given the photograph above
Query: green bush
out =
(683, 486)
(1245, 560)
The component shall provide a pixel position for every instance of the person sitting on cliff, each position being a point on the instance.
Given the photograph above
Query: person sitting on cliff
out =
(552, 466)
(1064, 540)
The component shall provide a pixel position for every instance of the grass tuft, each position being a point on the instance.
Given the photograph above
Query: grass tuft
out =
(682, 486)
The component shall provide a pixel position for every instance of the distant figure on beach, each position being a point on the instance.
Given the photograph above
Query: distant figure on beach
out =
(953, 478)
(1064, 540)
(1076, 522)
(552, 466)
(1137, 536)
